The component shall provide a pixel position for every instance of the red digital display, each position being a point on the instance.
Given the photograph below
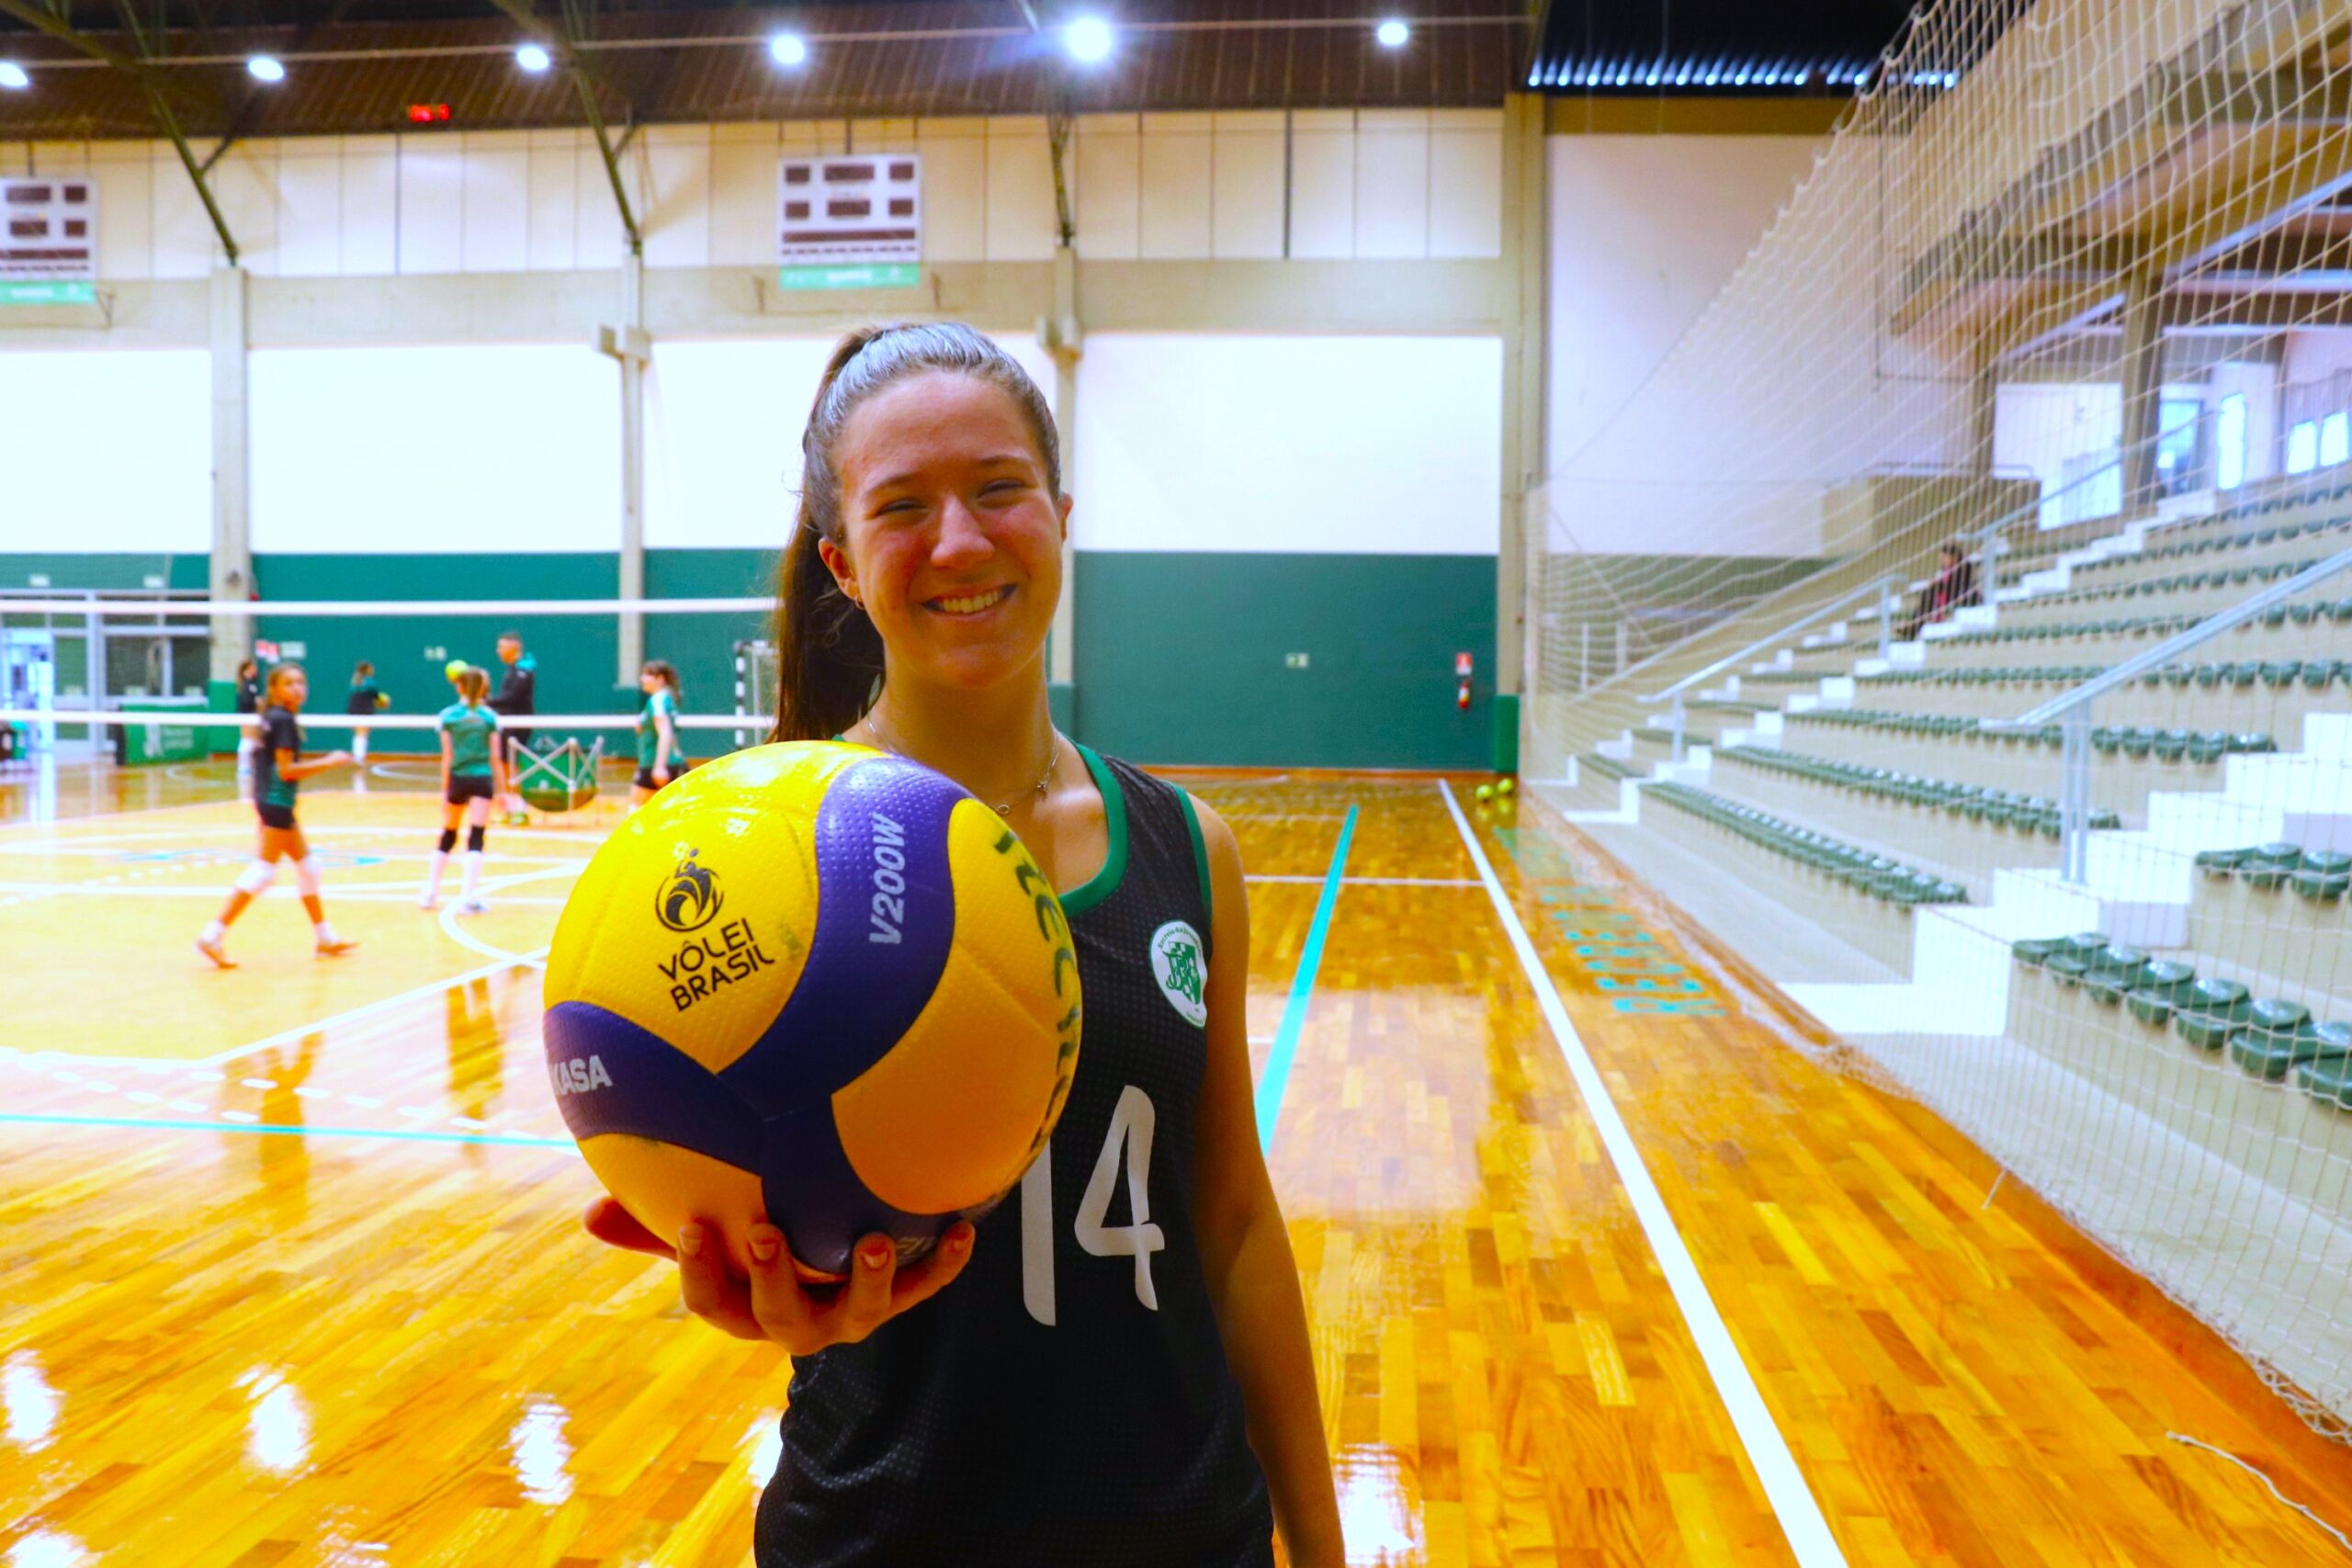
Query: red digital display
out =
(427, 114)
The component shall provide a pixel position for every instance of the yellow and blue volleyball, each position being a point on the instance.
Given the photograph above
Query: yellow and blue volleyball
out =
(816, 982)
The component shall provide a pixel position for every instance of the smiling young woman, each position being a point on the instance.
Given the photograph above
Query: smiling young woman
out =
(1116, 1368)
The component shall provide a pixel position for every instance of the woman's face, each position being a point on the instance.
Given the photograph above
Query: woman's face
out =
(291, 690)
(648, 681)
(953, 534)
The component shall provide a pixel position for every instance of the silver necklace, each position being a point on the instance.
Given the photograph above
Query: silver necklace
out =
(1053, 760)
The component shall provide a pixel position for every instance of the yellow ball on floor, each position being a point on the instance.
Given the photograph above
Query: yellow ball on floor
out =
(818, 983)
(1506, 785)
(1485, 791)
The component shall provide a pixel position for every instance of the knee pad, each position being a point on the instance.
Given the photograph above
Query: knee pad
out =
(448, 839)
(256, 878)
(306, 871)
(473, 839)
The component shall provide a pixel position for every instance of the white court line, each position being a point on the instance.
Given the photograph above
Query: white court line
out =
(491, 950)
(1792, 1501)
(1373, 881)
(365, 893)
(431, 988)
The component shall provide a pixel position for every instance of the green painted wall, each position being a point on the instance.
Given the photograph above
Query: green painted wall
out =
(1181, 656)
(125, 571)
(1181, 659)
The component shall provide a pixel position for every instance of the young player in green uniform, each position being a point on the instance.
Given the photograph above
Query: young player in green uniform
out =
(277, 770)
(366, 698)
(473, 774)
(660, 755)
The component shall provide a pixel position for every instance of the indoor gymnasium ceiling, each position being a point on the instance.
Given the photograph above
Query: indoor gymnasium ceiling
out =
(358, 67)
(1717, 46)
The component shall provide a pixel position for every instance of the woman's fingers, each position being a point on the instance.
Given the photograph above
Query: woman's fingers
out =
(615, 1227)
(779, 1304)
(935, 1273)
(864, 1302)
(710, 1292)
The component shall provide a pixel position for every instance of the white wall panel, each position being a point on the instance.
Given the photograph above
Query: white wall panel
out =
(244, 185)
(675, 219)
(1021, 220)
(1323, 183)
(110, 450)
(432, 205)
(955, 189)
(1109, 193)
(597, 226)
(1248, 155)
(1178, 160)
(1392, 184)
(372, 205)
(1466, 184)
(1337, 444)
(551, 239)
(723, 421)
(498, 201)
(743, 161)
(1644, 230)
(310, 214)
(125, 173)
(434, 448)
(185, 242)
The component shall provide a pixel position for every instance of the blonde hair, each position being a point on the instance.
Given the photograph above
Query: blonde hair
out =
(473, 684)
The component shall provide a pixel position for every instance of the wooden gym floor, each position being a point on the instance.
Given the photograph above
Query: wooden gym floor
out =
(292, 1271)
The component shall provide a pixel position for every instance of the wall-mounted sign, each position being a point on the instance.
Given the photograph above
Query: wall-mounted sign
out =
(851, 221)
(48, 241)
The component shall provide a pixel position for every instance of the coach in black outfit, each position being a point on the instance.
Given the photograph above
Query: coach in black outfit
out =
(517, 694)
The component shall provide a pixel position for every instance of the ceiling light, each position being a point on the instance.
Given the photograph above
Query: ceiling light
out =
(1088, 39)
(788, 49)
(531, 57)
(262, 68)
(13, 75)
(1393, 33)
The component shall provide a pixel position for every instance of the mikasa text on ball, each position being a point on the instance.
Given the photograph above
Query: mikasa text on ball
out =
(818, 983)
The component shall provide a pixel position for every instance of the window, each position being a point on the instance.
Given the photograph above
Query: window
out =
(2228, 443)
(2334, 439)
(2303, 447)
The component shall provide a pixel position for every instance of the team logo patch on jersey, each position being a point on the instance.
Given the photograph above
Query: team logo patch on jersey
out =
(1182, 973)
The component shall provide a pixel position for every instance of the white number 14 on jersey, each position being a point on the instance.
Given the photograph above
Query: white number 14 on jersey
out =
(1131, 1127)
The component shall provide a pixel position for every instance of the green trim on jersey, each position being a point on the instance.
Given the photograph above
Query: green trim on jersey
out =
(648, 735)
(1105, 882)
(1199, 851)
(468, 729)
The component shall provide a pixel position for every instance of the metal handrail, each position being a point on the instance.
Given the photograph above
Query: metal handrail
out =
(1883, 580)
(2071, 709)
(2166, 652)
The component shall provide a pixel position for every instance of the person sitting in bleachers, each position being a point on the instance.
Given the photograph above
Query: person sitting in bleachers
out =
(1954, 585)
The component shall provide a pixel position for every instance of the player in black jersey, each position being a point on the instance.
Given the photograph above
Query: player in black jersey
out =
(278, 769)
(1116, 1370)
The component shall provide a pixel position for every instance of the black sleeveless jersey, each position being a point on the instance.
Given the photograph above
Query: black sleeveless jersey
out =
(1067, 1401)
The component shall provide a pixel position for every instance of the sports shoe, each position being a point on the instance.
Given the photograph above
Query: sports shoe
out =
(336, 948)
(426, 900)
(215, 952)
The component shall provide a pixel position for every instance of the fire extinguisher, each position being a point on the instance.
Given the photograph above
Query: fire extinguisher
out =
(1462, 680)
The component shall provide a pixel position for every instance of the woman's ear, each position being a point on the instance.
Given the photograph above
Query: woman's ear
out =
(1063, 506)
(837, 562)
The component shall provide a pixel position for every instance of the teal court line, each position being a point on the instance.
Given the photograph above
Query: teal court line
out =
(271, 1129)
(1276, 1078)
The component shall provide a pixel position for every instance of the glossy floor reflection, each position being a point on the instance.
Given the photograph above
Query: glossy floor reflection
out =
(294, 1275)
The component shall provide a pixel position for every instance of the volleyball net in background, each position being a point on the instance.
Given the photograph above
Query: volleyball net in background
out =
(141, 675)
(2065, 288)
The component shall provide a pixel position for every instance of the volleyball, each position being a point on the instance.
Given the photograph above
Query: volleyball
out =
(455, 668)
(816, 982)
